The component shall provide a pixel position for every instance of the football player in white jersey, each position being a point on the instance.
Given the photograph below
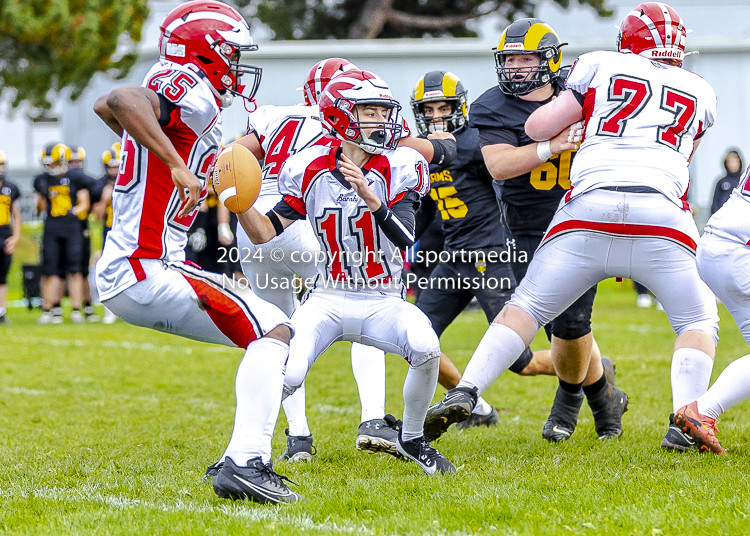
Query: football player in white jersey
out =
(724, 264)
(274, 134)
(626, 214)
(171, 130)
(360, 199)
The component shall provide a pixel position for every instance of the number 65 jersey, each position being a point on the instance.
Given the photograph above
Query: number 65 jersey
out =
(642, 118)
(145, 201)
(357, 251)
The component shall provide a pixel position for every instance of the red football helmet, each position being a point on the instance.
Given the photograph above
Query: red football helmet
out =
(653, 30)
(320, 74)
(208, 37)
(340, 115)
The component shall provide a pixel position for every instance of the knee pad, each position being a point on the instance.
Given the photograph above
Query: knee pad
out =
(426, 349)
(523, 361)
(572, 329)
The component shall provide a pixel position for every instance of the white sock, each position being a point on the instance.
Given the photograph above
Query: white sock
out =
(730, 388)
(2, 311)
(419, 388)
(368, 366)
(294, 409)
(498, 350)
(482, 407)
(691, 373)
(258, 386)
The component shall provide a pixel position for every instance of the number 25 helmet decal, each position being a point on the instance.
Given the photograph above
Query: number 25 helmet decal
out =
(439, 86)
(655, 31)
(340, 114)
(528, 36)
(208, 37)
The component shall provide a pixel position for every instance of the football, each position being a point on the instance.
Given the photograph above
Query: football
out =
(236, 178)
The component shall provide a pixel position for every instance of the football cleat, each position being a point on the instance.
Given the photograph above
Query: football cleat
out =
(699, 427)
(213, 470)
(563, 417)
(109, 317)
(608, 405)
(4, 319)
(676, 439)
(48, 318)
(428, 458)
(298, 448)
(90, 314)
(379, 435)
(479, 420)
(76, 317)
(257, 483)
(456, 406)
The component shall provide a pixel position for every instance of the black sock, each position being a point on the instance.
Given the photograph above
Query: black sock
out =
(595, 387)
(573, 388)
(86, 304)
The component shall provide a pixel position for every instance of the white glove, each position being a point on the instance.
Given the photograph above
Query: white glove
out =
(198, 241)
(225, 234)
(575, 134)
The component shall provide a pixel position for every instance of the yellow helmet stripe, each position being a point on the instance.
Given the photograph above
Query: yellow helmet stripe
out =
(419, 90)
(535, 34)
(450, 84)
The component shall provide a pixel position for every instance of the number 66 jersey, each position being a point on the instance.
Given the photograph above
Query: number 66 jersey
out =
(145, 201)
(642, 119)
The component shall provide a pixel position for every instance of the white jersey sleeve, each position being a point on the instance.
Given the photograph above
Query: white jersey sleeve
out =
(404, 170)
(641, 120)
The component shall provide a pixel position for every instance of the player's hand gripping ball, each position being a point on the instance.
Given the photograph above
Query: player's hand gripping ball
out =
(236, 179)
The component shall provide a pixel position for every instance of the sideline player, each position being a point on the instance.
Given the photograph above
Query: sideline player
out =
(10, 231)
(724, 264)
(626, 214)
(462, 193)
(78, 162)
(360, 199)
(57, 189)
(171, 130)
(274, 134)
(533, 178)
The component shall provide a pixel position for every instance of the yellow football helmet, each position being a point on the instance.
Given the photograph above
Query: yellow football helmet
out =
(528, 36)
(439, 86)
(3, 158)
(112, 156)
(55, 157)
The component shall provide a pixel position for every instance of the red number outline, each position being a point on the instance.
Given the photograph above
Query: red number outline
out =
(328, 227)
(363, 227)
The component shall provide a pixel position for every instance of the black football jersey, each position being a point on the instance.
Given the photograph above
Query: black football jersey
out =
(529, 200)
(60, 194)
(465, 198)
(9, 192)
(95, 192)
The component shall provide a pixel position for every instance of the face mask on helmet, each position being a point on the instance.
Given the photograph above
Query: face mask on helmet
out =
(358, 108)
(433, 91)
(527, 57)
(209, 37)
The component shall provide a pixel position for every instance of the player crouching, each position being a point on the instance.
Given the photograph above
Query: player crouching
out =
(360, 198)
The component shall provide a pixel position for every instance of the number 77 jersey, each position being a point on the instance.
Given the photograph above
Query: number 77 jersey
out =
(642, 120)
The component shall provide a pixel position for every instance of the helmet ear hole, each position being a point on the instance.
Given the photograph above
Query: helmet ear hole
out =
(205, 59)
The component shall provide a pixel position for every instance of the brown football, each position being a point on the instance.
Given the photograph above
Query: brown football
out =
(237, 178)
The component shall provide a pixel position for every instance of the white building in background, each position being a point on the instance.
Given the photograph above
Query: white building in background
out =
(722, 35)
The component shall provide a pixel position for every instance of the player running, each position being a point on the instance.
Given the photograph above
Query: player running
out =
(360, 199)
(626, 214)
(171, 130)
(531, 179)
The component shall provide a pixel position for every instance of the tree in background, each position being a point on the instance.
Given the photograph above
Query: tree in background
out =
(367, 19)
(47, 46)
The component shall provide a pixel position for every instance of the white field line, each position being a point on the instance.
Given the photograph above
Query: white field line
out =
(127, 345)
(252, 513)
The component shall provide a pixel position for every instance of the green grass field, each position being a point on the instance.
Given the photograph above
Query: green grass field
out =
(108, 430)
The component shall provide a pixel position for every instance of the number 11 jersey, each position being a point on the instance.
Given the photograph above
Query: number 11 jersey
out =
(642, 118)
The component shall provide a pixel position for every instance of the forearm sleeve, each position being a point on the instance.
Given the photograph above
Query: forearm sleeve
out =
(397, 222)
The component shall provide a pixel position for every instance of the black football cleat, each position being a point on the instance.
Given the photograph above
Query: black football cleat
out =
(479, 420)
(257, 483)
(676, 439)
(428, 458)
(610, 370)
(298, 448)
(213, 470)
(563, 417)
(456, 406)
(379, 435)
(608, 405)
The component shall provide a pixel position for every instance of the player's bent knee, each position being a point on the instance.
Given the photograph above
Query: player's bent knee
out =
(572, 330)
(430, 358)
(281, 333)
